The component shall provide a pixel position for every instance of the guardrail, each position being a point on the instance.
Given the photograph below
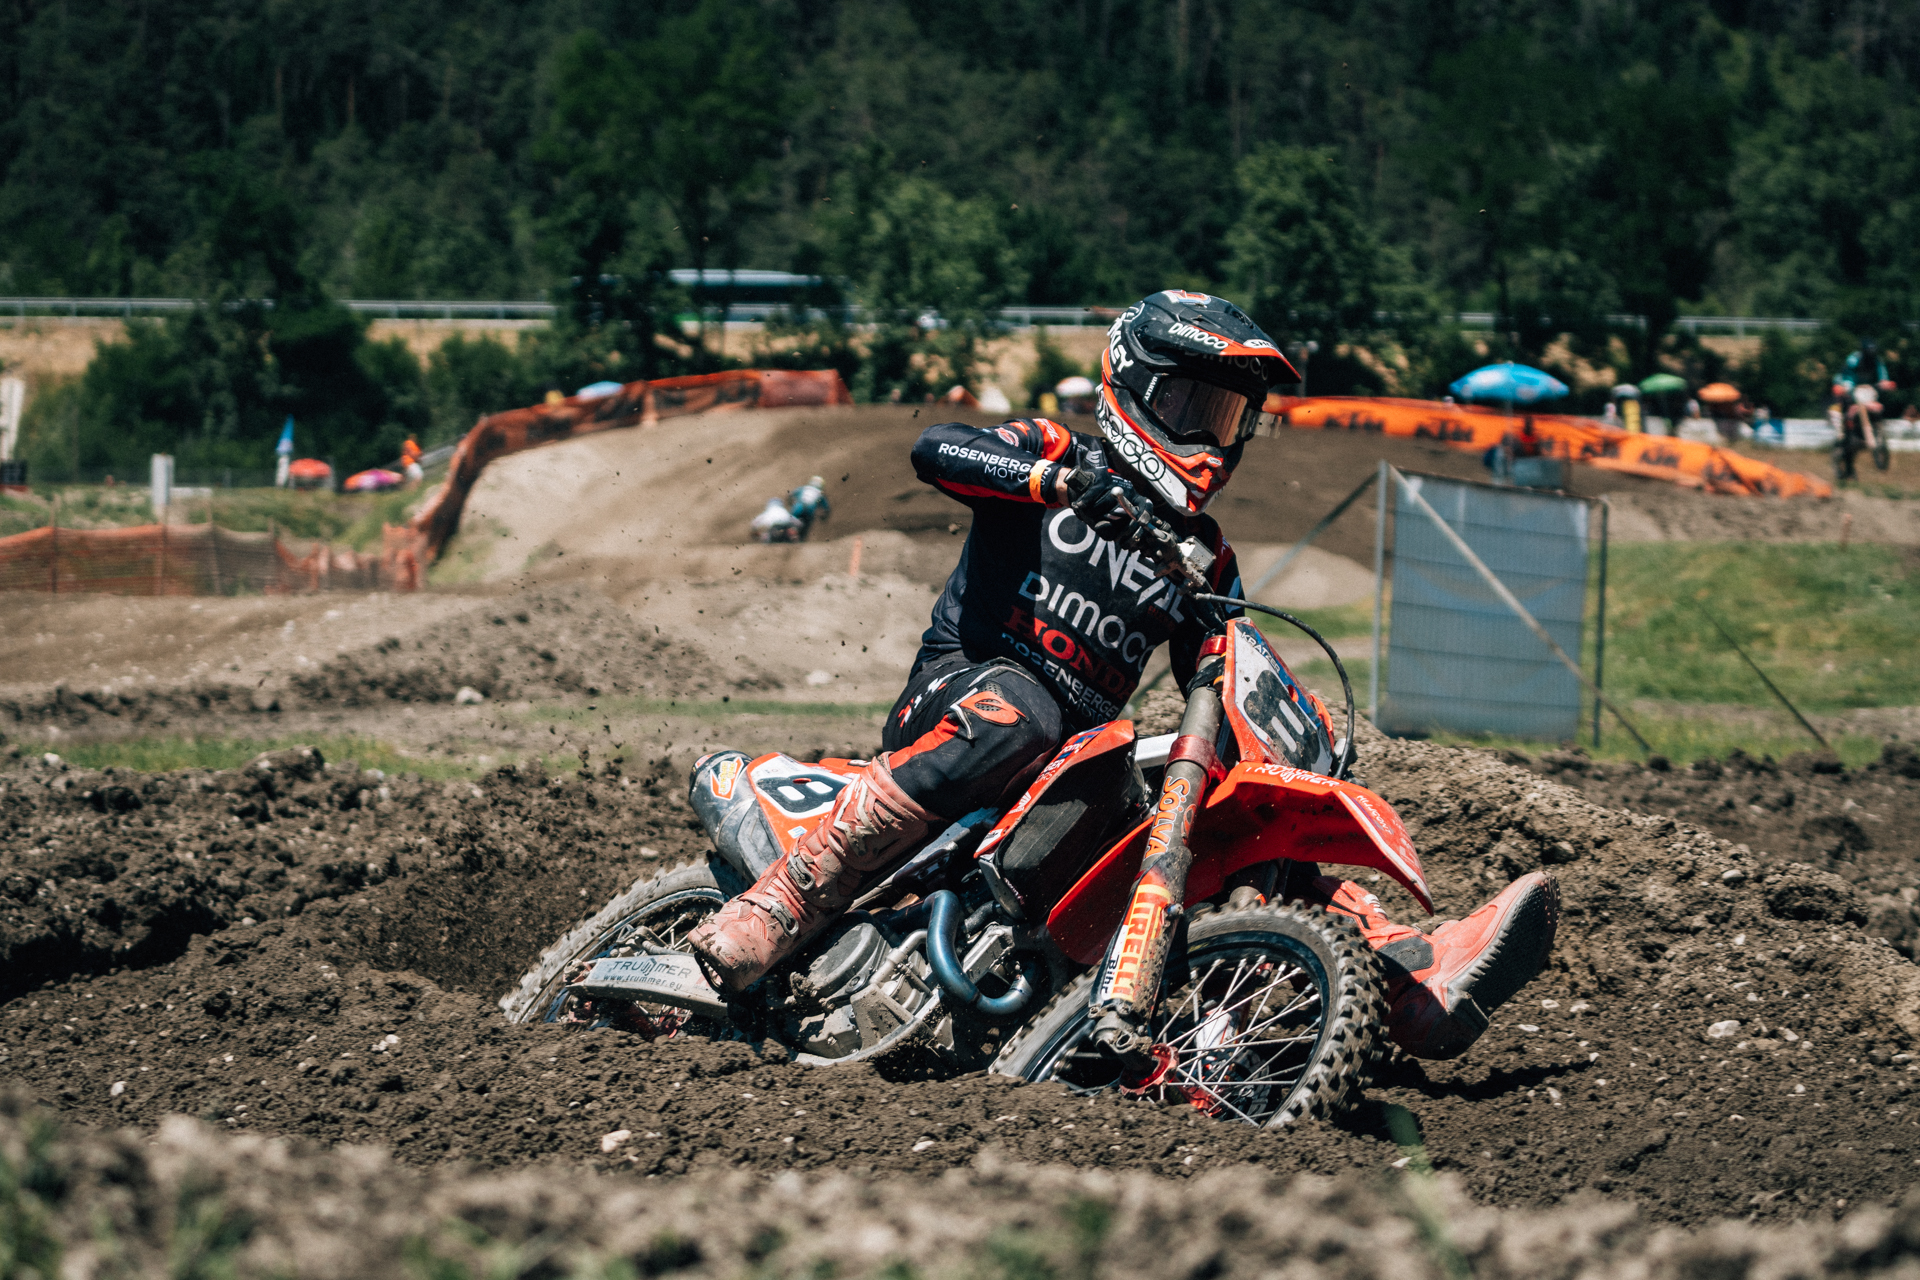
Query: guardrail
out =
(393, 309)
(1017, 317)
(1736, 325)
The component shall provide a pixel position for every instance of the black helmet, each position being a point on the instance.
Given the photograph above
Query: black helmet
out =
(1183, 380)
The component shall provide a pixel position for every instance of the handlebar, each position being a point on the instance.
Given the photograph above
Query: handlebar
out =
(1340, 766)
(1187, 563)
(1183, 559)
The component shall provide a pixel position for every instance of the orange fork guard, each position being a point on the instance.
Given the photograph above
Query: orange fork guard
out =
(1258, 813)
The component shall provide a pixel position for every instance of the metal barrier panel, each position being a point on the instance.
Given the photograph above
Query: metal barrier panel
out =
(1457, 658)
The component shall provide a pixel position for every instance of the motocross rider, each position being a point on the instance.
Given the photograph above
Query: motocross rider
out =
(1865, 366)
(1043, 630)
(808, 504)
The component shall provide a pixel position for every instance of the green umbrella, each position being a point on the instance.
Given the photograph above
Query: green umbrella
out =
(1662, 382)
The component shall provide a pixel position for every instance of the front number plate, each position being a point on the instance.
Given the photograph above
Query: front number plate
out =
(674, 980)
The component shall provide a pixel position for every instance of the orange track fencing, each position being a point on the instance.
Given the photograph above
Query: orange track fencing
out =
(180, 560)
(1684, 462)
(414, 546)
(199, 560)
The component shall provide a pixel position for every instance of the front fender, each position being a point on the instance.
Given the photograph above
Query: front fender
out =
(1257, 813)
(1260, 812)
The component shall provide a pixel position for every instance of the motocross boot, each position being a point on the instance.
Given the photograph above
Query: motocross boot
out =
(871, 823)
(1442, 986)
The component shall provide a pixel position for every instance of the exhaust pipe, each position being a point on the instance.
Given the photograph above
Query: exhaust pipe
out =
(942, 933)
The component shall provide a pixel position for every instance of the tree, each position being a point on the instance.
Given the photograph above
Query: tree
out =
(1655, 204)
(931, 270)
(1308, 264)
(1822, 192)
(718, 106)
(1487, 149)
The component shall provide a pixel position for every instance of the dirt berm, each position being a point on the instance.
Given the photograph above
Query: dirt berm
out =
(1862, 825)
(308, 949)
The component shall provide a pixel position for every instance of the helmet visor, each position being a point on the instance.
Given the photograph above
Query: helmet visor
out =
(1196, 412)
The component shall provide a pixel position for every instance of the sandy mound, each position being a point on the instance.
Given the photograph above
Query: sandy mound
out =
(1862, 825)
(546, 644)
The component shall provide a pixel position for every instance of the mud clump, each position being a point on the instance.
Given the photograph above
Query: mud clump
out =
(1861, 825)
(1714, 1036)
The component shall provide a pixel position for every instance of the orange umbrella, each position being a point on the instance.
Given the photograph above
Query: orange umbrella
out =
(1718, 393)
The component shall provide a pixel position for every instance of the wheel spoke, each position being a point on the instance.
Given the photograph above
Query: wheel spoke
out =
(1224, 1008)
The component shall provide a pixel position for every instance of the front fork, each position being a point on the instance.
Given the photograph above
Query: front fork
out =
(1128, 987)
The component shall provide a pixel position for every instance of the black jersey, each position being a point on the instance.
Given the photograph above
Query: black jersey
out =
(1037, 586)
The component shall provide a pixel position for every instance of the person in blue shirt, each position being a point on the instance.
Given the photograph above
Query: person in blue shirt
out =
(809, 503)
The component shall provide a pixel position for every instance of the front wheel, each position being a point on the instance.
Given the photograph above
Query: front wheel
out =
(1882, 457)
(657, 912)
(1275, 1020)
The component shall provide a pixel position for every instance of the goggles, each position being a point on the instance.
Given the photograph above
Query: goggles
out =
(1195, 412)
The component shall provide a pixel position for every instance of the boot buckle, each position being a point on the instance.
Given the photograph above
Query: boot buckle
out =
(789, 925)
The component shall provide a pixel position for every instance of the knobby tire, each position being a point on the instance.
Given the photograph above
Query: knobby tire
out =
(1328, 952)
(686, 890)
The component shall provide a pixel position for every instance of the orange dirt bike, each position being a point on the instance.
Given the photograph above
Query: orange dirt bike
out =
(1134, 920)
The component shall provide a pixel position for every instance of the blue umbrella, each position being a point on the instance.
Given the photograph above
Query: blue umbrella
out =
(1510, 382)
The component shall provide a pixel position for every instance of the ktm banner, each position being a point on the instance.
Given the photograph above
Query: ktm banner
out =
(411, 548)
(1684, 462)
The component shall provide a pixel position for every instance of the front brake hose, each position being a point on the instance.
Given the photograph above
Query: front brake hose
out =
(952, 975)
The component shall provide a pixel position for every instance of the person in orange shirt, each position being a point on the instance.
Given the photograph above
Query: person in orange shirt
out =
(410, 463)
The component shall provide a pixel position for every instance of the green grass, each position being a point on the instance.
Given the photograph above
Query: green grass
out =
(1684, 739)
(161, 754)
(722, 708)
(1833, 628)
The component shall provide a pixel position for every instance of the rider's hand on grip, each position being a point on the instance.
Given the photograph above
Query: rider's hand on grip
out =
(1109, 505)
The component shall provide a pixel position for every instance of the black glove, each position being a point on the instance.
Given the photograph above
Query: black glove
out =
(1205, 672)
(1108, 504)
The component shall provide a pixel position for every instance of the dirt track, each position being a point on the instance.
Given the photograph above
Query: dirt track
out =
(310, 951)
(263, 1206)
(403, 915)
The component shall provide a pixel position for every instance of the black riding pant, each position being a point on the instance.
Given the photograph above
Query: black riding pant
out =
(968, 735)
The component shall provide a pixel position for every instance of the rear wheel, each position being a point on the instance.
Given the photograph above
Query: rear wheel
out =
(658, 912)
(1275, 1020)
